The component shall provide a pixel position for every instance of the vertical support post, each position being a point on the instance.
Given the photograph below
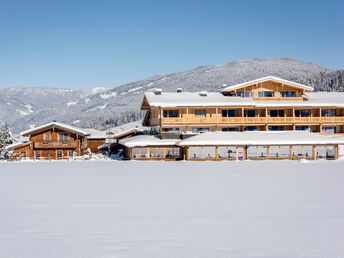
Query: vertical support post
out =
(216, 152)
(314, 152)
(290, 152)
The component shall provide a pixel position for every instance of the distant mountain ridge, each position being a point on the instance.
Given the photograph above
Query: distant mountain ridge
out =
(101, 108)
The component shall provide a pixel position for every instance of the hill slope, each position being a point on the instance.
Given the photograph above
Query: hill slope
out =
(25, 106)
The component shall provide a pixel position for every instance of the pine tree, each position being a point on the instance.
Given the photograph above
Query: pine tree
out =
(5, 140)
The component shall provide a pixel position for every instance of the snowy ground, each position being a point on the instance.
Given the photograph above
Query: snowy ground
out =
(172, 209)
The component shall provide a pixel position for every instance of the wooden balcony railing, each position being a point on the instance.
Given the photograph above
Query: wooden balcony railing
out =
(247, 120)
(56, 144)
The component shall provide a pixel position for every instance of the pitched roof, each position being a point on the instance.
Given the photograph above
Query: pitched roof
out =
(267, 78)
(95, 134)
(124, 129)
(188, 99)
(58, 125)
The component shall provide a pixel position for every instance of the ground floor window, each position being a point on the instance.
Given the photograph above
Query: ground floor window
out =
(202, 152)
(230, 129)
(303, 128)
(59, 154)
(71, 154)
(38, 154)
(250, 128)
(23, 154)
(302, 151)
(156, 152)
(329, 129)
(170, 130)
(284, 151)
(254, 152)
(172, 153)
(200, 130)
(227, 152)
(276, 128)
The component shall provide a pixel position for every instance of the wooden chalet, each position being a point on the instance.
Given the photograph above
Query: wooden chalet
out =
(52, 141)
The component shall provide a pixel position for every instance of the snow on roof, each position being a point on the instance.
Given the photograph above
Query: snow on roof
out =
(237, 138)
(147, 140)
(261, 138)
(16, 145)
(95, 134)
(57, 125)
(174, 99)
(267, 78)
(124, 129)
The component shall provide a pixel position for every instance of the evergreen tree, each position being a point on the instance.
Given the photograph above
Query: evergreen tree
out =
(5, 140)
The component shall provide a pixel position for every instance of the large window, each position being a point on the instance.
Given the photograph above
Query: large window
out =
(209, 152)
(257, 152)
(284, 151)
(250, 128)
(250, 113)
(328, 112)
(265, 94)
(47, 136)
(229, 113)
(172, 152)
(200, 113)
(195, 152)
(276, 113)
(227, 152)
(329, 129)
(139, 153)
(330, 152)
(274, 151)
(303, 128)
(302, 113)
(305, 151)
(288, 94)
(171, 113)
(63, 137)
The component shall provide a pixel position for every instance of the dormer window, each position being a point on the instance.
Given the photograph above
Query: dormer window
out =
(47, 136)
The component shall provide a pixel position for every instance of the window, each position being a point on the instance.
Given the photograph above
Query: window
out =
(284, 151)
(171, 113)
(288, 94)
(320, 152)
(71, 154)
(170, 130)
(329, 129)
(23, 154)
(276, 113)
(245, 94)
(250, 113)
(250, 128)
(47, 136)
(172, 153)
(38, 154)
(59, 154)
(251, 152)
(229, 113)
(152, 152)
(276, 128)
(240, 153)
(265, 94)
(195, 152)
(200, 130)
(227, 152)
(262, 151)
(63, 136)
(328, 112)
(330, 150)
(200, 113)
(273, 151)
(230, 129)
(302, 113)
(297, 151)
(303, 128)
(160, 153)
(208, 152)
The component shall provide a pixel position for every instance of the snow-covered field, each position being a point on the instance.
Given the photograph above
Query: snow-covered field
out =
(172, 209)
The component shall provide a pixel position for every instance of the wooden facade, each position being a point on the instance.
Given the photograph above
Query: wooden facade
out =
(268, 115)
(53, 142)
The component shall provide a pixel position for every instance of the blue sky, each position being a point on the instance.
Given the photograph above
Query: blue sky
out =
(87, 44)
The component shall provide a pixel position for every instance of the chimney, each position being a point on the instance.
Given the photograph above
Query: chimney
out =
(179, 90)
(204, 93)
(157, 91)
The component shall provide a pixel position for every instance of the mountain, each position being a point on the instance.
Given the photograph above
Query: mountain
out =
(101, 107)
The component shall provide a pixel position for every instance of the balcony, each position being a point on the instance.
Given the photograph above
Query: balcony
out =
(56, 145)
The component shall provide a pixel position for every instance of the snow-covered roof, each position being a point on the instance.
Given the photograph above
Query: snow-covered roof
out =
(260, 138)
(147, 140)
(194, 99)
(267, 78)
(237, 138)
(95, 134)
(56, 125)
(16, 145)
(124, 129)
